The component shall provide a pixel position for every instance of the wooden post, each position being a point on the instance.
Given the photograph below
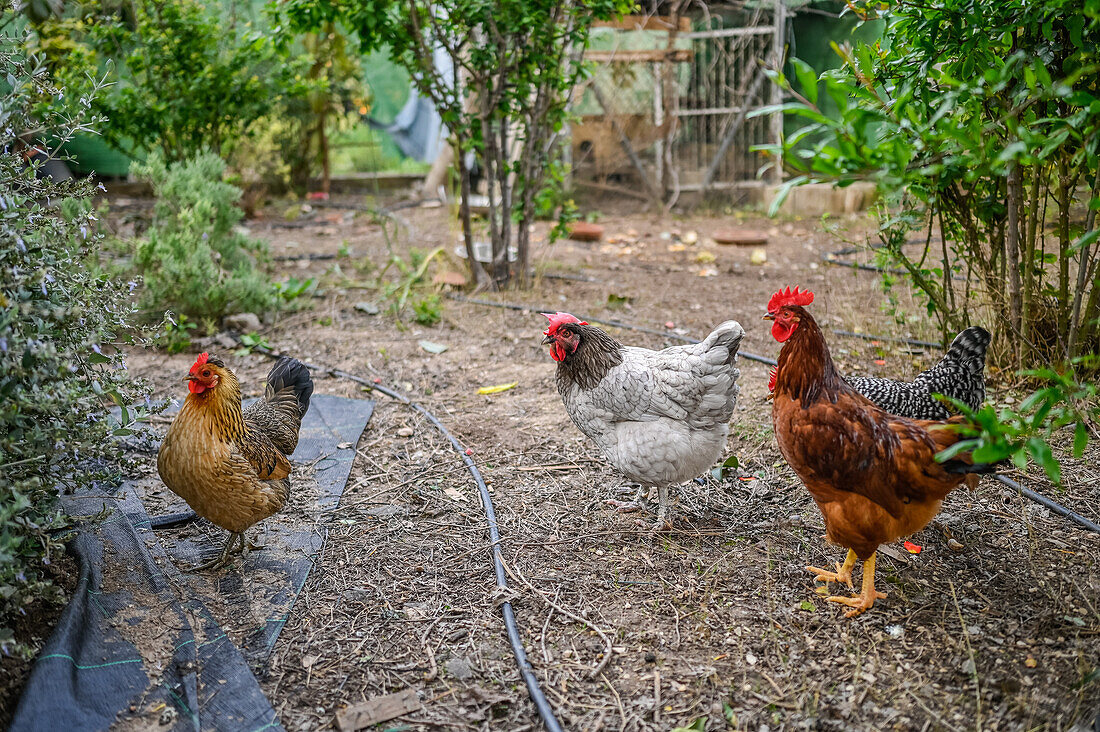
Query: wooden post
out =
(779, 53)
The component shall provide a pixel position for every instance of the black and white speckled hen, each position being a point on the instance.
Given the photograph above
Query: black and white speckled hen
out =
(660, 417)
(959, 374)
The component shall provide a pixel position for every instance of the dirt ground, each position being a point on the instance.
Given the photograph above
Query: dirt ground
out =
(715, 620)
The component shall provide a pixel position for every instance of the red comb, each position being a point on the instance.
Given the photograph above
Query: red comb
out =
(199, 361)
(559, 319)
(787, 297)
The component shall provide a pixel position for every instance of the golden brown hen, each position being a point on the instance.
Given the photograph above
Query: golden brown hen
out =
(231, 464)
(873, 475)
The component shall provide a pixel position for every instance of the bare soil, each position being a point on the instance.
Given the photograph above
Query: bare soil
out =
(33, 628)
(715, 619)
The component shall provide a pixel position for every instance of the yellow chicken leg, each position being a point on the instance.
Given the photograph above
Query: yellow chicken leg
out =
(866, 599)
(843, 572)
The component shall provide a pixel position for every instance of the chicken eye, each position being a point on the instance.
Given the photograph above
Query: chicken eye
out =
(206, 374)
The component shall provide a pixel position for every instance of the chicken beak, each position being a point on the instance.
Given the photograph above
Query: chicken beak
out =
(769, 316)
(547, 341)
(188, 378)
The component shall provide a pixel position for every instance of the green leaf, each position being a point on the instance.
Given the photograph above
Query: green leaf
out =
(807, 79)
(1080, 439)
(1019, 458)
(1041, 453)
(699, 725)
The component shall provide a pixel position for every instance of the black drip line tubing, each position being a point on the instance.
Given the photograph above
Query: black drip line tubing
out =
(545, 711)
(833, 258)
(1037, 497)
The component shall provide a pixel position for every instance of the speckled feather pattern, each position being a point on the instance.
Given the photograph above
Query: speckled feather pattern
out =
(660, 417)
(959, 374)
(229, 464)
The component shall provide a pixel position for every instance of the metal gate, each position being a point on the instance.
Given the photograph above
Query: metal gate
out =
(668, 104)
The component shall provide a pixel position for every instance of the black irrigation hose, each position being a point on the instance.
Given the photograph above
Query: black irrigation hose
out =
(1043, 500)
(1037, 497)
(546, 712)
(869, 337)
(605, 321)
(172, 520)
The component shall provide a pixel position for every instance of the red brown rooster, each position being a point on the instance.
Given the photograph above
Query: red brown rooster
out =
(874, 476)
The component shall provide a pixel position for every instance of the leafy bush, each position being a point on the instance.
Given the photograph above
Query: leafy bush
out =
(1016, 434)
(981, 119)
(194, 260)
(58, 321)
(189, 78)
(988, 130)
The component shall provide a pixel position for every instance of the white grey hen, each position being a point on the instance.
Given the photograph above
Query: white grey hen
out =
(660, 417)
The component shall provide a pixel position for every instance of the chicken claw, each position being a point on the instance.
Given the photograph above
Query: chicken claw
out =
(227, 551)
(637, 503)
(843, 572)
(866, 599)
(626, 506)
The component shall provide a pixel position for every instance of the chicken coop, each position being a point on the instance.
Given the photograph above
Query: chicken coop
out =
(667, 108)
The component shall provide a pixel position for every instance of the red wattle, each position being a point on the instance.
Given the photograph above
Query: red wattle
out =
(781, 332)
(195, 387)
(557, 352)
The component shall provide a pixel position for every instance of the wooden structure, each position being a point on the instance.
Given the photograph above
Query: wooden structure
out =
(668, 105)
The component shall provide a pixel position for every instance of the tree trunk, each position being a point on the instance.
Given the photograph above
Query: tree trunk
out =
(1012, 250)
(1083, 267)
(326, 163)
(1029, 264)
(480, 278)
(1064, 197)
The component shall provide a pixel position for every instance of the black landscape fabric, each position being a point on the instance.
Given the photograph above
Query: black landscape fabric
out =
(138, 642)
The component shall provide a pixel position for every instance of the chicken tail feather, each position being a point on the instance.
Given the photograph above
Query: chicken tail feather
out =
(970, 346)
(290, 373)
(726, 336)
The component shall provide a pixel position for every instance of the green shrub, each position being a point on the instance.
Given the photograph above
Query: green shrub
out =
(428, 310)
(194, 260)
(59, 320)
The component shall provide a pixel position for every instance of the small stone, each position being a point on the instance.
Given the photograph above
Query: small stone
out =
(367, 307)
(242, 322)
(650, 657)
(387, 511)
(405, 432)
(460, 669)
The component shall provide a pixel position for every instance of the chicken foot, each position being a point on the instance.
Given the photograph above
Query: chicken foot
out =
(227, 551)
(662, 523)
(866, 599)
(637, 503)
(843, 572)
